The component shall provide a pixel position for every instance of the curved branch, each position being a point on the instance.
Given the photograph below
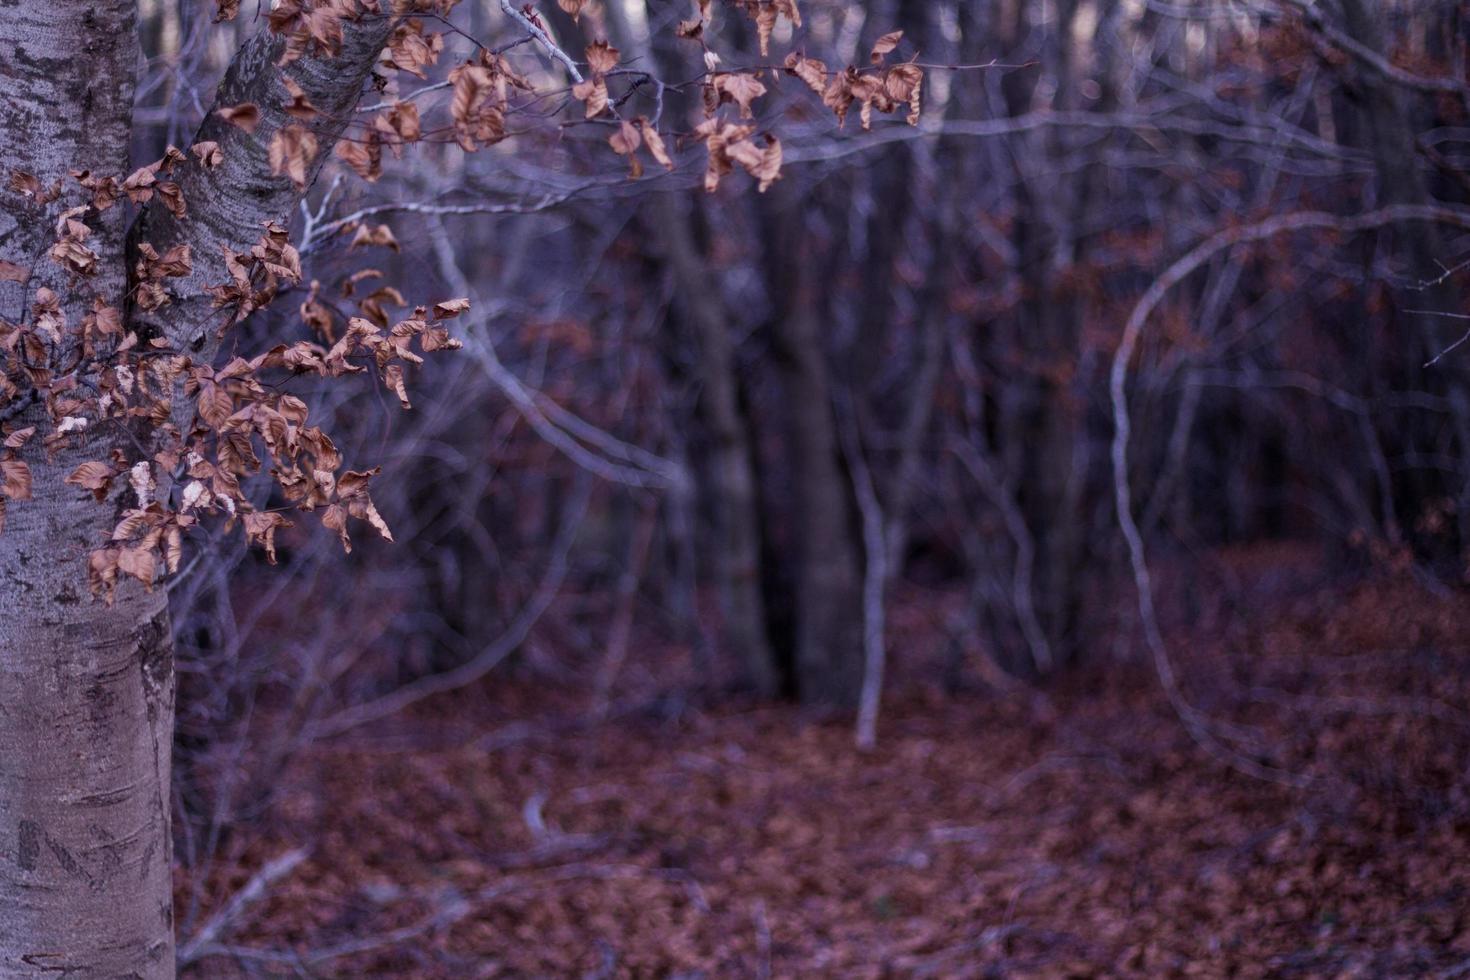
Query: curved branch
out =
(1194, 719)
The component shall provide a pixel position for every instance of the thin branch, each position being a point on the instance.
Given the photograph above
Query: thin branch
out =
(536, 31)
(491, 655)
(227, 917)
(1194, 720)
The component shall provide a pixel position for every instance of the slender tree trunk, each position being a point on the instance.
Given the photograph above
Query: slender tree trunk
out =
(86, 689)
(731, 481)
(828, 601)
(1389, 137)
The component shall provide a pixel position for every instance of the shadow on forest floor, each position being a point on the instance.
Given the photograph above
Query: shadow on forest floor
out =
(1072, 833)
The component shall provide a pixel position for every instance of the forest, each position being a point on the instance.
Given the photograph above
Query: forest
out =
(735, 488)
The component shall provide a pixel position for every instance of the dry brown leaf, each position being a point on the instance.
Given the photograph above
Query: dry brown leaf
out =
(740, 88)
(655, 143)
(15, 479)
(601, 57)
(208, 153)
(246, 115)
(292, 151)
(885, 45)
(299, 107)
(809, 70)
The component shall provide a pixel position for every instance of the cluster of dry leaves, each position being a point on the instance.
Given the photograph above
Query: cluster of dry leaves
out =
(483, 89)
(185, 434)
(96, 372)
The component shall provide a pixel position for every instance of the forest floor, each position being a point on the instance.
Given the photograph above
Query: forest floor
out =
(1075, 830)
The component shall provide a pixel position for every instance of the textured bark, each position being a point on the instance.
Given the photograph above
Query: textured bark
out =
(229, 204)
(86, 689)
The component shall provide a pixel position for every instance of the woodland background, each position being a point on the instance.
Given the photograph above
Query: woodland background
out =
(705, 455)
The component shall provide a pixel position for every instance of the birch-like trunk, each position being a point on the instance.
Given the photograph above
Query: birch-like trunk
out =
(86, 689)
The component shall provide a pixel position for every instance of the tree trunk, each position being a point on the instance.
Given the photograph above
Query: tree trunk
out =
(1389, 137)
(86, 689)
(828, 579)
(731, 481)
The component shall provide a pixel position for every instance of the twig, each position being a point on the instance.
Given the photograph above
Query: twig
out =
(535, 30)
(1455, 316)
(254, 890)
(491, 655)
(875, 578)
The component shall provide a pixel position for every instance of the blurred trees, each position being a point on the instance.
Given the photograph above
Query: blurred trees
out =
(933, 309)
(950, 295)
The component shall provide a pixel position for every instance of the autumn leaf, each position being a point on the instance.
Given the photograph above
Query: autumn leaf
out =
(140, 478)
(139, 185)
(654, 142)
(764, 164)
(393, 381)
(601, 57)
(46, 314)
(837, 96)
(376, 235)
(172, 197)
(15, 479)
(215, 405)
(292, 151)
(765, 23)
(400, 124)
(411, 50)
(885, 45)
(140, 562)
(902, 84)
(70, 250)
(18, 438)
(740, 88)
(365, 156)
(172, 157)
(299, 107)
(95, 476)
(29, 185)
(334, 518)
(10, 272)
(594, 93)
(261, 527)
(625, 141)
(450, 308)
(809, 70)
(246, 115)
(105, 189)
(208, 154)
(476, 119)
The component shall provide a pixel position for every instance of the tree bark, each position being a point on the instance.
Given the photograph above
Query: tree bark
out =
(86, 689)
(230, 204)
